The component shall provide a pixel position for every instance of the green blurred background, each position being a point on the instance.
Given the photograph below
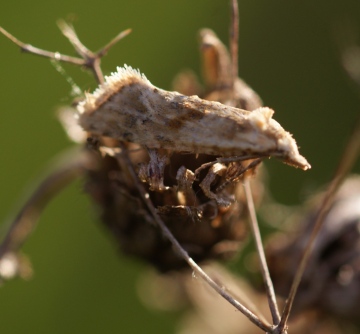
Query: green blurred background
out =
(288, 54)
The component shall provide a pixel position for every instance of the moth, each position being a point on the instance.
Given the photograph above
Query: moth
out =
(128, 107)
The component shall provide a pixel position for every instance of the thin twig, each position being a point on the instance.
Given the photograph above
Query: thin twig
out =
(69, 32)
(348, 159)
(180, 250)
(104, 50)
(91, 60)
(88, 58)
(43, 53)
(234, 38)
(259, 246)
(25, 221)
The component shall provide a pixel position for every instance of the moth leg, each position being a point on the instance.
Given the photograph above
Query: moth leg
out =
(153, 171)
(221, 198)
(185, 193)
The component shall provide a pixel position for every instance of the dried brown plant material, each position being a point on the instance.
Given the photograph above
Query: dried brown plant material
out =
(331, 280)
(218, 75)
(202, 228)
(207, 313)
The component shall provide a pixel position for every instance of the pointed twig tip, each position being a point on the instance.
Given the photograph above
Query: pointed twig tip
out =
(11, 37)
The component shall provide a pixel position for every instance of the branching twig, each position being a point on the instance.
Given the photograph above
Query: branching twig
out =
(88, 58)
(40, 52)
(104, 50)
(348, 159)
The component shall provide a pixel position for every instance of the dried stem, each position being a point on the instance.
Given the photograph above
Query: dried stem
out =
(234, 38)
(348, 159)
(43, 53)
(69, 32)
(259, 246)
(104, 50)
(25, 221)
(88, 58)
(180, 250)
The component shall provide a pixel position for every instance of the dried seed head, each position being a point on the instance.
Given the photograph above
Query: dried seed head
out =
(203, 229)
(215, 60)
(331, 280)
(129, 108)
(219, 78)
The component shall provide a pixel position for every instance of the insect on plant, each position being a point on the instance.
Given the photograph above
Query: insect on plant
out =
(174, 172)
